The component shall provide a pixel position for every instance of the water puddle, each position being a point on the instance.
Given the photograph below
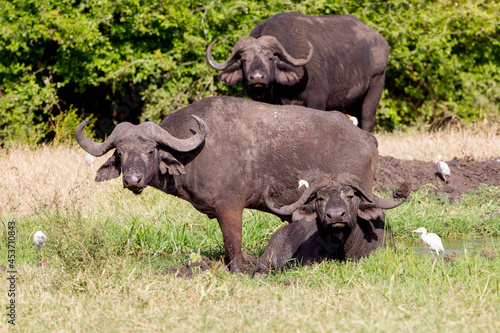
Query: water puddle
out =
(454, 245)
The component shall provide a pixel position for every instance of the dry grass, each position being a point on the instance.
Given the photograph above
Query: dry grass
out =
(49, 177)
(478, 141)
(46, 178)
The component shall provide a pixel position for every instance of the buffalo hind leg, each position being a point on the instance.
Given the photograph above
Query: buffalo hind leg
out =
(230, 222)
(370, 103)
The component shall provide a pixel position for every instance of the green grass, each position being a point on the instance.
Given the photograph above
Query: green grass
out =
(475, 214)
(104, 254)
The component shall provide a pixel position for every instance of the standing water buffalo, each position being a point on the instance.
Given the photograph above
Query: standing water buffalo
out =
(221, 153)
(333, 62)
(335, 218)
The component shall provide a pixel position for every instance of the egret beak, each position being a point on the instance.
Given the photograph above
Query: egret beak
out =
(414, 231)
(353, 119)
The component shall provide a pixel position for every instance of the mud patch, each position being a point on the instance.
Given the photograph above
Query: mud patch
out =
(466, 175)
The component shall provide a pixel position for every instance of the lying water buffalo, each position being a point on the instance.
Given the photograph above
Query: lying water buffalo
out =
(333, 62)
(239, 148)
(335, 218)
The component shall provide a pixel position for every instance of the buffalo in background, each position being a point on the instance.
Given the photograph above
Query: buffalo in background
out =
(333, 62)
(221, 153)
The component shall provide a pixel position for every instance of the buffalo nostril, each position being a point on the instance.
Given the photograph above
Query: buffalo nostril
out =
(257, 75)
(336, 214)
(132, 180)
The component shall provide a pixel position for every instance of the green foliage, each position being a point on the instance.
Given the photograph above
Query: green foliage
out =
(445, 58)
(445, 55)
(63, 126)
(23, 108)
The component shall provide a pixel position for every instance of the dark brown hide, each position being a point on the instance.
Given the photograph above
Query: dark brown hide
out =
(337, 222)
(302, 243)
(346, 71)
(249, 145)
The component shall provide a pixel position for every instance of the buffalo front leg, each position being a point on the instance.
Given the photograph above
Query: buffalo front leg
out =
(230, 222)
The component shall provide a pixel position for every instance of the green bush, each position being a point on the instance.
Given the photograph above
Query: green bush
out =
(445, 56)
(23, 108)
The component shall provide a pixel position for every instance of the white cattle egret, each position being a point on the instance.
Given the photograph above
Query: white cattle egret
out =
(89, 159)
(353, 119)
(432, 240)
(303, 182)
(443, 168)
(39, 239)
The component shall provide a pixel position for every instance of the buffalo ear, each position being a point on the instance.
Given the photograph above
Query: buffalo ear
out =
(369, 211)
(233, 74)
(286, 75)
(301, 215)
(110, 169)
(169, 163)
(304, 214)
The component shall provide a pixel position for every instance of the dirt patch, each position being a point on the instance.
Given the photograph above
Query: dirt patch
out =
(466, 175)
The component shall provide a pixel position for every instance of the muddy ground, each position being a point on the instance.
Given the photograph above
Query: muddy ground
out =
(466, 175)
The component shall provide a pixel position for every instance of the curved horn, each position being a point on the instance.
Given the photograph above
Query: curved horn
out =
(241, 44)
(400, 195)
(95, 148)
(387, 203)
(163, 137)
(272, 42)
(289, 209)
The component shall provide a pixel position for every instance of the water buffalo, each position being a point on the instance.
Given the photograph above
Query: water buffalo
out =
(333, 62)
(335, 218)
(220, 154)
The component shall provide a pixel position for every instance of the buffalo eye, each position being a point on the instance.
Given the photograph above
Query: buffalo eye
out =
(348, 192)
